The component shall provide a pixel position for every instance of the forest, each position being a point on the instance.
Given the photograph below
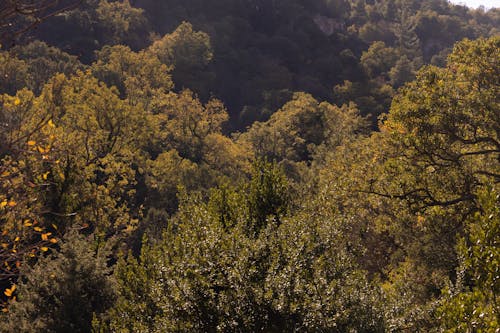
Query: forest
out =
(249, 166)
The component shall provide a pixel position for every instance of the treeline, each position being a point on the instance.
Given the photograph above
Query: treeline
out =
(125, 205)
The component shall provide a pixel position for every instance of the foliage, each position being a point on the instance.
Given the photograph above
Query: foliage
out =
(312, 218)
(62, 291)
(206, 274)
(187, 51)
(448, 126)
(94, 24)
(44, 62)
(472, 303)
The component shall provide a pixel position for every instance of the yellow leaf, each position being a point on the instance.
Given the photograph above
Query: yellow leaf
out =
(9, 292)
(54, 226)
(12, 203)
(44, 249)
(5, 245)
(53, 241)
(3, 204)
(17, 239)
(17, 101)
(46, 236)
(27, 223)
(42, 150)
(51, 123)
(46, 175)
(31, 143)
(38, 229)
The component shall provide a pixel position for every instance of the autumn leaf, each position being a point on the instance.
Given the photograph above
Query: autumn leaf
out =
(46, 236)
(9, 292)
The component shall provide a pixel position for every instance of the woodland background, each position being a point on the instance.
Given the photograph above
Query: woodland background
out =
(250, 165)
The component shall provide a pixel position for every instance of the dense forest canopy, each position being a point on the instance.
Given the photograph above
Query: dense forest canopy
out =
(254, 55)
(249, 165)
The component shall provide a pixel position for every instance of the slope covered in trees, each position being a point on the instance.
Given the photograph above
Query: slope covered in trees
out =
(243, 166)
(254, 55)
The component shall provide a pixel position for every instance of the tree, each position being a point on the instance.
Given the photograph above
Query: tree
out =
(268, 196)
(402, 72)
(19, 16)
(208, 274)
(100, 139)
(472, 303)
(44, 62)
(379, 59)
(300, 127)
(446, 122)
(16, 73)
(94, 24)
(139, 76)
(63, 291)
(26, 161)
(188, 52)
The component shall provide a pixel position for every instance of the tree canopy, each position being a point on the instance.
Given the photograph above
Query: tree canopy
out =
(243, 166)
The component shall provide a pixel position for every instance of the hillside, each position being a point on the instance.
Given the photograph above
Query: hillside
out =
(254, 54)
(249, 166)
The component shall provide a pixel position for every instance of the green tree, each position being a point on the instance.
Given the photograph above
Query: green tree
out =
(100, 139)
(16, 73)
(402, 72)
(188, 52)
(209, 275)
(448, 126)
(268, 196)
(302, 125)
(139, 76)
(44, 62)
(62, 292)
(379, 59)
(472, 304)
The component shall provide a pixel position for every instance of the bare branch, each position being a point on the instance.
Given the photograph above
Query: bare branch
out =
(19, 16)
